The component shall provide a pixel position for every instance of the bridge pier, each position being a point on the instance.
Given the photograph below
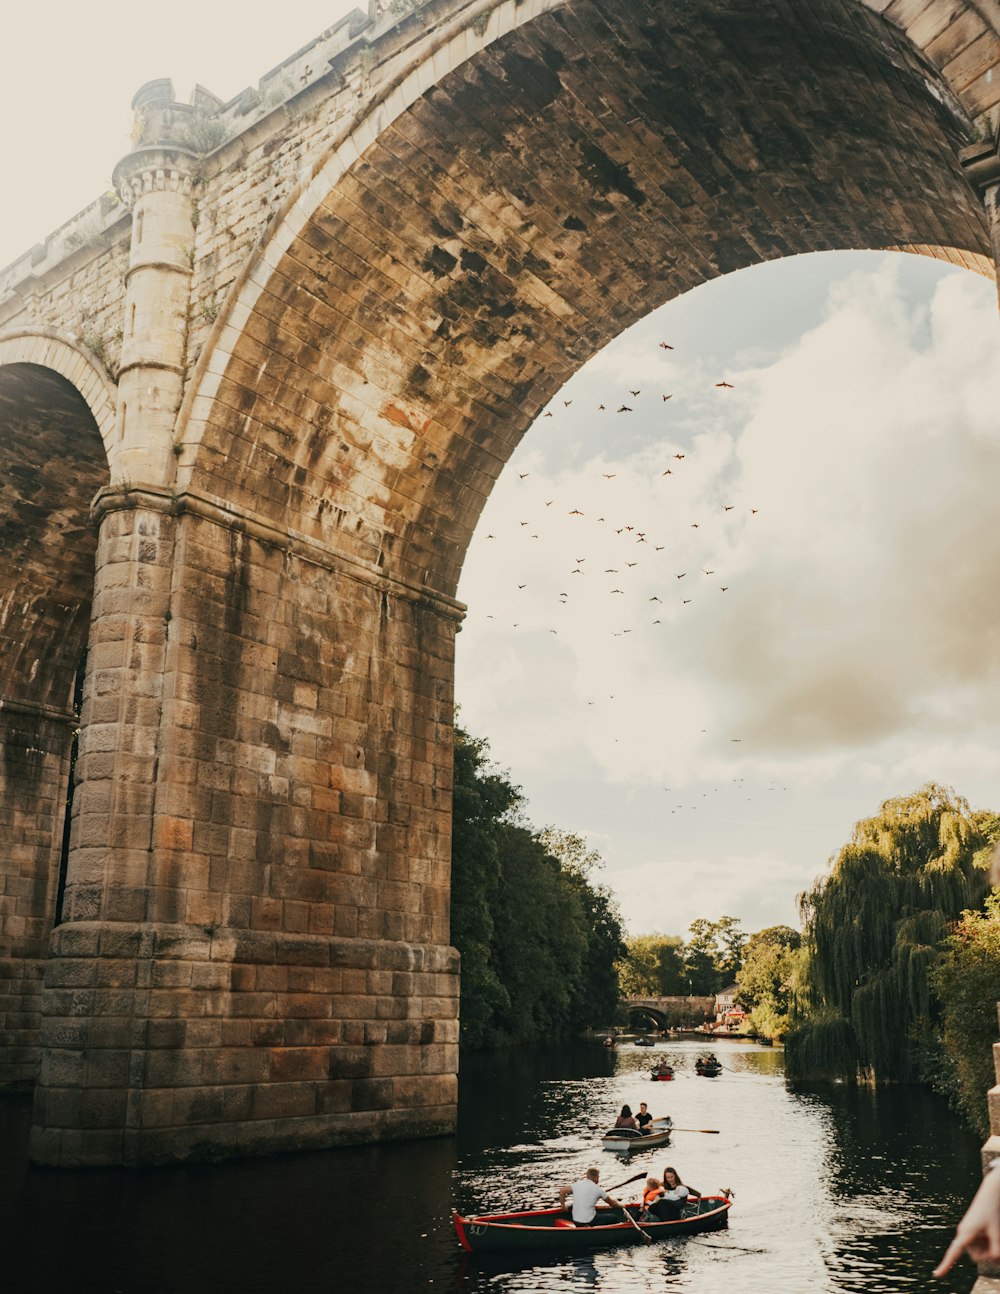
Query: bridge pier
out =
(254, 949)
(34, 772)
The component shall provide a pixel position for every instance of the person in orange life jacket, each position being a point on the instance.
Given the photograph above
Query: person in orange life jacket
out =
(667, 1206)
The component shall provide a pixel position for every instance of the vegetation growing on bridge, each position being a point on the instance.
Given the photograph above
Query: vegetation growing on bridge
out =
(539, 937)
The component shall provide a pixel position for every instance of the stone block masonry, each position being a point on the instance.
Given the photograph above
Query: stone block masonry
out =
(165, 1042)
(251, 409)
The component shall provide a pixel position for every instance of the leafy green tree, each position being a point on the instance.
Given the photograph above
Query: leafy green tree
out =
(766, 982)
(483, 800)
(539, 938)
(596, 989)
(653, 966)
(967, 984)
(713, 954)
(874, 929)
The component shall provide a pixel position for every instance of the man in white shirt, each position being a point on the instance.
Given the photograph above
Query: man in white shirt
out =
(585, 1194)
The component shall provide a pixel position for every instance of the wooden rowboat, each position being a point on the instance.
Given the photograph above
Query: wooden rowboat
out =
(662, 1076)
(626, 1140)
(552, 1230)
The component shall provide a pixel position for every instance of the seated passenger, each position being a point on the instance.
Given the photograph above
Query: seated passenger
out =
(644, 1119)
(626, 1119)
(668, 1206)
(651, 1193)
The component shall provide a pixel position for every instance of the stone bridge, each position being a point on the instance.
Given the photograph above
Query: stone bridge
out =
(671, 1010)
(253, 402)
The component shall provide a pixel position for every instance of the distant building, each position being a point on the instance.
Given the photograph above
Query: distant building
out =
(729, 1014)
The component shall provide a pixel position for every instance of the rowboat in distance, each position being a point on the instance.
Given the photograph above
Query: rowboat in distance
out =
(644, 1042)
(627, 1140)
(552, 1230)
(663, 1075)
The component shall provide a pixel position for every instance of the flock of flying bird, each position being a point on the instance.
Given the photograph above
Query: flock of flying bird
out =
(633, 548)
(631, 533)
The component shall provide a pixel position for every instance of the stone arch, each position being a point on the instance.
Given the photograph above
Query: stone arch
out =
(306, 313)
(51, 349)
(513, 203)
(281, 839)
(52, 460)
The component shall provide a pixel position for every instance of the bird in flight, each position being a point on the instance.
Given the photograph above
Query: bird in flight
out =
(624, 409)
(617, 590)
(723, 587)
(547, 414)
(667, 397)
(522, 475)
(665, 346)
(726, 385)
(635, 392)
(654, 598)
(567, 403)
(610, 476)
(682, 574)
(728, 507)
(576, 513)
(668, 472)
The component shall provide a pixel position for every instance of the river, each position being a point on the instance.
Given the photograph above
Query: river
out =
(837, 1191)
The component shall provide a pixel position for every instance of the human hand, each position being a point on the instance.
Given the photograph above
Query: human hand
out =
(978, 1233)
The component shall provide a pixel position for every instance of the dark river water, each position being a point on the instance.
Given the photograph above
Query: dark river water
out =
(836, 1191)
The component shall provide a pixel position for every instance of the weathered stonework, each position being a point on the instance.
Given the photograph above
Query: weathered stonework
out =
(289, 359)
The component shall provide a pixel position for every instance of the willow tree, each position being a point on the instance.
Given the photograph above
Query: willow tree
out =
(875, 926)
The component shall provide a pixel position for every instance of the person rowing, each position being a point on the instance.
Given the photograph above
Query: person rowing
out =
(585, 1195)
(643, 1119)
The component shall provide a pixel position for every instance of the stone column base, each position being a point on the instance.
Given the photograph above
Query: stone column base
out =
(163, 1043)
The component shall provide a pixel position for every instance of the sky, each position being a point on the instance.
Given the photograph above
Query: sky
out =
(751, 613)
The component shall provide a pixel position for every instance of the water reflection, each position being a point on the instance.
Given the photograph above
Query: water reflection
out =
(838, 1191)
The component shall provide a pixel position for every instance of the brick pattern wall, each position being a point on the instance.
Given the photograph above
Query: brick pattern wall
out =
(545, 195)
(34, 774)
(261, 940)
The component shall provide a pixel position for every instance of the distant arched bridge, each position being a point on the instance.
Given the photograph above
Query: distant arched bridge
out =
(667, 1011)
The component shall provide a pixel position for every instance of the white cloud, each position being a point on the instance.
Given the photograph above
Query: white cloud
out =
(856, 638)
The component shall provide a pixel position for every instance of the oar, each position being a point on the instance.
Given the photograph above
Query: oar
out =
(627, 1182)
(713, 1131)
(647, 1239)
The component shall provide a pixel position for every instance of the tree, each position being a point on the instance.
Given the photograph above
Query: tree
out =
(767, 980)
(967, 984)
(713, 954)
(539, 938)
(653, 966)
(874, 929)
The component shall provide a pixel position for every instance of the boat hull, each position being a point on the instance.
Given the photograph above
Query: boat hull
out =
(622, 1143)
(628, 1145)
(550, 1230)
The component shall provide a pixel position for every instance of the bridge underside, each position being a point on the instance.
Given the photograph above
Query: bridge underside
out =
(255, 951)
(51, 463)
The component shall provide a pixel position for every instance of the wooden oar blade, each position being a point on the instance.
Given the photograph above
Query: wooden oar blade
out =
(713, 1131)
